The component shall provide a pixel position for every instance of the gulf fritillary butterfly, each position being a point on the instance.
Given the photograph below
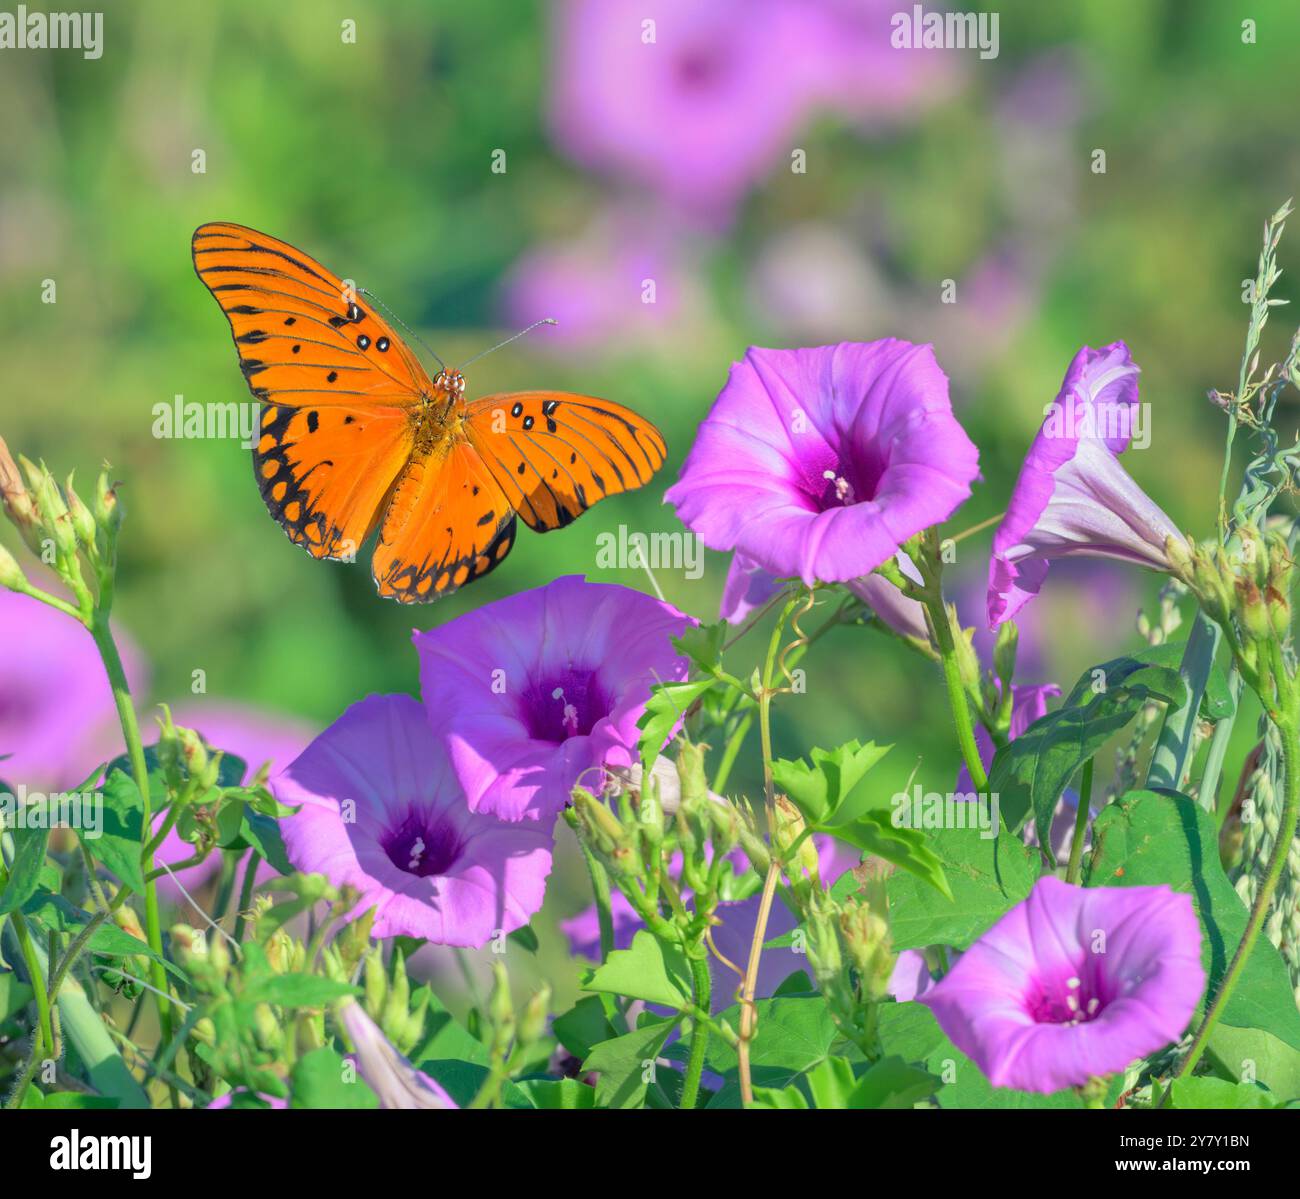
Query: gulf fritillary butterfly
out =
(355, 435)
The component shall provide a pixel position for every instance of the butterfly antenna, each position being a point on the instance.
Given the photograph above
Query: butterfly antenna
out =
(393, 316)
(546, 320)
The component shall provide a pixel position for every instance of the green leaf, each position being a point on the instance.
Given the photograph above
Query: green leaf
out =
(987, 876)
(820, 788)
(25, 869)
(1216, 703)
(1189, 1093)
(648, 970)
(121, 839)
(583, 1026)
(626, 1064)
(444, 1036)
(892, 1083)
(295, 990)
(1254, 1054)
(322, 1079)
(910, 1032)
(796, 1033)
(876, 833)
(566, 1094)
(54, 913)
(703, 644)
(1030, 773)
(525, 938)
(263, 834)
(667, 705)
(14, 994)
(1145, 838)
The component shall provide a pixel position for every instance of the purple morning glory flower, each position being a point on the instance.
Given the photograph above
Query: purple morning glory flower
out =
(819, 463)
(748, 588)
(538, 691)
(382, 810)
(55, 701)
(1073, 497)
(1074, 983)
(393, 1079)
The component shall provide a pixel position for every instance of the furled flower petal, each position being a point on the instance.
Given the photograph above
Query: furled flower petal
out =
(1073, 497)
(748, 588)
(901, 613)
(535, 692)
(819, 463)
(393, 1079)
(1074, 983)
(382, 810)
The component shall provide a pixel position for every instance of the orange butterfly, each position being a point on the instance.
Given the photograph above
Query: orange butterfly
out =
(356, 436)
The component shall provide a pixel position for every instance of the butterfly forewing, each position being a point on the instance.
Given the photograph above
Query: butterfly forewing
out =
(305, 338)
(556, 454)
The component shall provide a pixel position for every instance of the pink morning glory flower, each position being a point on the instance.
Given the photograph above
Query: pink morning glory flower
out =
(539, 691)
(819, 463)
(1074, 983)
(382, 811)
(748, 588)
(1073, 497)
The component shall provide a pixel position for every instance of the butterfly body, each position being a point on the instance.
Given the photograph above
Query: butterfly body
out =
(355, 437)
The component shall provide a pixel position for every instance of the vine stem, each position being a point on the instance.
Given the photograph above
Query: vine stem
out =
(1080, 823)
(103, 636)
(748, 1010)
(970, 753)
(1263, 900)
(701, 987)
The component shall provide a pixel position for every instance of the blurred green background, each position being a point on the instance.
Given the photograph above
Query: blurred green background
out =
(376, 158)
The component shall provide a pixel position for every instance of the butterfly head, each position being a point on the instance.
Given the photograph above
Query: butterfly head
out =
(451, 383)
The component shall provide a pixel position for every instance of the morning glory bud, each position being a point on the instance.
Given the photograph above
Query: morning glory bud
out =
(11, 574)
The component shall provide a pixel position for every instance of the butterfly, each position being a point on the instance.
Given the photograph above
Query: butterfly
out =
(355, 436)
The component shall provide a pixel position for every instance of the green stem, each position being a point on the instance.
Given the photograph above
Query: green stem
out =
(1080, 823)
(44, 1045)
(601, 893)
(1169, 761)
(730, 751)
(1219, 742)
(1263, 900)
(701, 986)
(748, 1012)
(956, 689)
(246, 893)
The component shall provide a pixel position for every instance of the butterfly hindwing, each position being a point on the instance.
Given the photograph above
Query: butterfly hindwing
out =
(448, 523)
(556, 454)
(325, 472)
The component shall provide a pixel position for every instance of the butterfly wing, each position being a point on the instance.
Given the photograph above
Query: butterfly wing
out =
(448, 523)
(554, 454)
(335, 381)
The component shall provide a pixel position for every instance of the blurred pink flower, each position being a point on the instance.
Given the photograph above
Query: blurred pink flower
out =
(616, 282)
(698, 102)
(54, 694)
